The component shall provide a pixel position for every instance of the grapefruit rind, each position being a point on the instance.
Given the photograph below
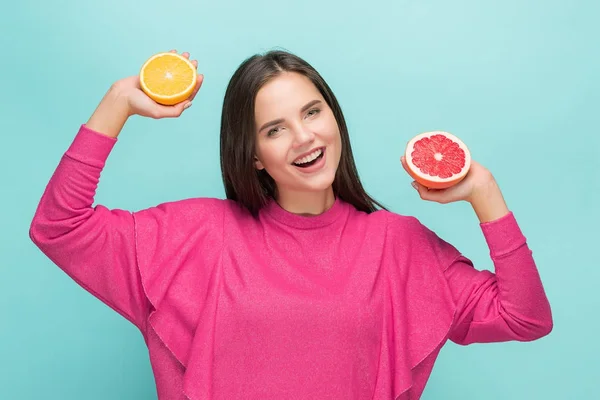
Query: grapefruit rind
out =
(435, 182)
(173, 99)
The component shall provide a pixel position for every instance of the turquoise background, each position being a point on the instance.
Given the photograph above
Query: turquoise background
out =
(516, 80)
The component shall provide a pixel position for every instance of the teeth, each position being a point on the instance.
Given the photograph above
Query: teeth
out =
(309, 157)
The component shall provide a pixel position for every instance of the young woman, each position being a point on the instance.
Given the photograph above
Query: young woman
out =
(298, 285)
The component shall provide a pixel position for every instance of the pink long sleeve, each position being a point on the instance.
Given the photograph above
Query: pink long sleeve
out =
(508, 305)
(95, 246)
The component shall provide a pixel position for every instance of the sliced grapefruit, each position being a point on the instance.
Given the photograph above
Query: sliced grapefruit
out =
(437, 159)
(168, 78)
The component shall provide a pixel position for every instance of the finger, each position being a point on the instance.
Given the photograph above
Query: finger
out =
(172, 111)
(421, 190)
(195, 63)
(403, 162)
(417, 186)
(186, 54)
(437, 195)
(198, 85)
(172, 51)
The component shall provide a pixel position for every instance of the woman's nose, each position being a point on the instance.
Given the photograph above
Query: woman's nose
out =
(303, 135)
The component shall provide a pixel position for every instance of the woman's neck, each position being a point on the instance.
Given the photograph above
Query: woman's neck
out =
(306, 203)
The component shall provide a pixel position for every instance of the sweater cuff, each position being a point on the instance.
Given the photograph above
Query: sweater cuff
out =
(91, 147)
(503, 235)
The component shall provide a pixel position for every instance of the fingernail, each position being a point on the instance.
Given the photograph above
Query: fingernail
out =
(414, 184)
(187, 105)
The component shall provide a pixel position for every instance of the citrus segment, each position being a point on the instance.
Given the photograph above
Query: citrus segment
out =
(168, 78)
(437, 159)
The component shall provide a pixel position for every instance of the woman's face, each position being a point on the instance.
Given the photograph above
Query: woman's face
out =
(297, 137)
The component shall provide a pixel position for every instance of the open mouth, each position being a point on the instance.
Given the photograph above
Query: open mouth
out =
(310, 159)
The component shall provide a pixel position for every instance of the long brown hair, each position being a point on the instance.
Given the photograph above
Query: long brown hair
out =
(250, 187)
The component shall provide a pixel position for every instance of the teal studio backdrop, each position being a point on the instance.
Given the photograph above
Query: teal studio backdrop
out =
(516, 80)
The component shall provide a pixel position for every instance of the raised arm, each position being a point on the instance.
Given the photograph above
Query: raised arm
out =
(509, 304)
(93, 244)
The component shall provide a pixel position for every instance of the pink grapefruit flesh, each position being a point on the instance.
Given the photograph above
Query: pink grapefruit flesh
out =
(437, 159)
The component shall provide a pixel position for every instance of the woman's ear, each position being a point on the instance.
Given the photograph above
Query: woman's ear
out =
(258, 164)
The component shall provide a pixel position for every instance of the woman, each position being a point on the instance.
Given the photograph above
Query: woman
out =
(297, 285)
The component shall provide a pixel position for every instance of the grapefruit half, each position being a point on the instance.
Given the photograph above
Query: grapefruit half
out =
(437, 159)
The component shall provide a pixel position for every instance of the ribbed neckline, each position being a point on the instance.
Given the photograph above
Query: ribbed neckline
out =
(275, 211)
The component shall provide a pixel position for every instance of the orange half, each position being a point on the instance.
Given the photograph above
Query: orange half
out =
(168, 78)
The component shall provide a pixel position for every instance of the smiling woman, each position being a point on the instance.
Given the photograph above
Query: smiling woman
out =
(302, 152)
(278, 110)
(297, 285)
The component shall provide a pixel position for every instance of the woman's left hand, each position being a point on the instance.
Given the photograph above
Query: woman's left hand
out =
(477, 180)
(479, 188)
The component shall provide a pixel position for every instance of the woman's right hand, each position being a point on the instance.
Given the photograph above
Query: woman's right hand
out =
(138, 103)
(126, 98)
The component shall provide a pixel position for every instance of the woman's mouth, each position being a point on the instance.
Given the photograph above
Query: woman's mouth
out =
(311, 162)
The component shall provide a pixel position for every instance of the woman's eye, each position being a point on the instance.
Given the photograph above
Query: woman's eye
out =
(273, 132)
(314, 111)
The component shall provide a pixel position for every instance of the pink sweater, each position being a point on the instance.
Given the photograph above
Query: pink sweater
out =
(344, 305)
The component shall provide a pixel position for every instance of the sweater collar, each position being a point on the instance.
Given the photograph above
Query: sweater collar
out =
(273, 210)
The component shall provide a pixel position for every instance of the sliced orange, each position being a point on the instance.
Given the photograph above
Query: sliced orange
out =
(168, 78)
